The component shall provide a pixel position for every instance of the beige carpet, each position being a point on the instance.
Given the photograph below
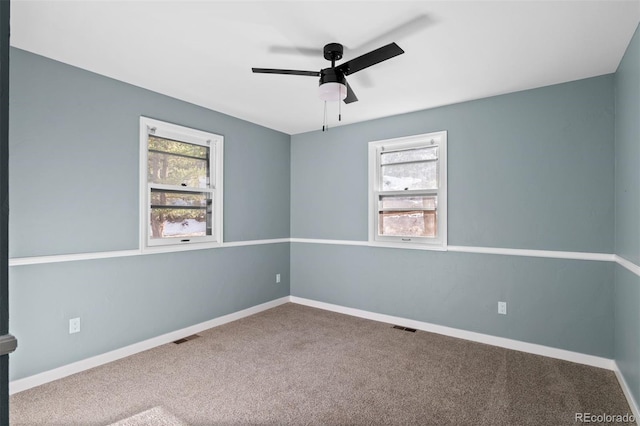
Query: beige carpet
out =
(298, 365)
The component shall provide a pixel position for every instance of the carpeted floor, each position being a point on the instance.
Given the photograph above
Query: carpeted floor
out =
(299, 365)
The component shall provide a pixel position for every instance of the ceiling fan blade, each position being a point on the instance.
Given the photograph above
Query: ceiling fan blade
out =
(290, 72)
(351, 97)
(371, 58)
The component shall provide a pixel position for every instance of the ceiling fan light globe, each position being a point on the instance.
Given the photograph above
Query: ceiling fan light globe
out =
(332, 91)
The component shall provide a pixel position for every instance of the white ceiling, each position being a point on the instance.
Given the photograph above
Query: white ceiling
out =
(202, 51)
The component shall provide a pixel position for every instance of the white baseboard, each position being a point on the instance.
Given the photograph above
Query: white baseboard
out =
(502, 342)
(85, 364)
(627, 393)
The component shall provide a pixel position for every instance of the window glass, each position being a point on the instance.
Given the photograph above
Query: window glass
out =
(177, 163)
(408, 216)
(408, 224)
(408, 176)
(403, 156)
(175, 214)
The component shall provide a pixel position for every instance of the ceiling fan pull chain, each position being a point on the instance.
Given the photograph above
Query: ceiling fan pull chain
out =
(324, 119)
(339, 110)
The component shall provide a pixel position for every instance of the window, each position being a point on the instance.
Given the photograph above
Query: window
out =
(180, 185)
(408, 191)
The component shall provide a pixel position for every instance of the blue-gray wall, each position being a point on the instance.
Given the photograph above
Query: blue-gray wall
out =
(627, 214)
(528, 170)
(552, 302)
(74, 185)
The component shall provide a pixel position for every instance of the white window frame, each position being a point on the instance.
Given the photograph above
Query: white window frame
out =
(376, 148)
(215, 187)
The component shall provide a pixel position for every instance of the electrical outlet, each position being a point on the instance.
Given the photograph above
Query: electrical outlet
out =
(277, 278)
(502, 308)
(74, 325)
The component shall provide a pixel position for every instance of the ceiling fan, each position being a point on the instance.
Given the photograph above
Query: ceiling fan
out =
(333, 84)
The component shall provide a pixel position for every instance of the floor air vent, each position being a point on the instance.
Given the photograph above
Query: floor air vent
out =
(186, 339)
(410, 330)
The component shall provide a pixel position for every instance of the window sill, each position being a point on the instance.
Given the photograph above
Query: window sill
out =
(180, 247)
(408, 246)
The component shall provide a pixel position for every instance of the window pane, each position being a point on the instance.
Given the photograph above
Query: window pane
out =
(400, 177)
(429, 202)
(180, 215)
(177, 163)
(175, 147)
(430, 153)
(408, 223)
(176, 198)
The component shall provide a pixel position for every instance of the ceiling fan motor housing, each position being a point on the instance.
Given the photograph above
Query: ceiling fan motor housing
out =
(332, 75)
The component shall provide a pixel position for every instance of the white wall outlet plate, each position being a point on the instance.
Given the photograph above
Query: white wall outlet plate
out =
(74, 325)
(502, 308)
(277, 278)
